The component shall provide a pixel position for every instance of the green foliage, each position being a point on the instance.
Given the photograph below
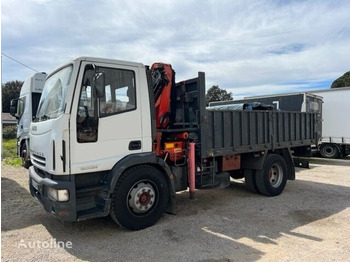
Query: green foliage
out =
(10, 90)
(13, 161)
(9, 148)
(9, 152)
(342, 81)
(215, 93)
(9, 132)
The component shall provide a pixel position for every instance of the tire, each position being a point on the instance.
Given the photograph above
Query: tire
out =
(249, 177)
(272, 179)
(329, 151)
(25, 162)
(139, 198)
(236, 174)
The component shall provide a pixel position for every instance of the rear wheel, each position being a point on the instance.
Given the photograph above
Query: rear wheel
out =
(272, 179)
(25, 159)
(249, 177)
(140, 198)
(329, 151)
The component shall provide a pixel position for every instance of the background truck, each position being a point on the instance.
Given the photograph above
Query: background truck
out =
(301, 102)
(24, 109)
(120, 138)
(335, 141)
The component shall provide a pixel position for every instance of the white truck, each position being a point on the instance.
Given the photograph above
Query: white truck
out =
(335, 141)
(120, 138)
(24, 109)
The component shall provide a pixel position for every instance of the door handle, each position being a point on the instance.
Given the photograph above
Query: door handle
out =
(135, 145)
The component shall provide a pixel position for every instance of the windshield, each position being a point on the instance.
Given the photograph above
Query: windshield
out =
(53, 98)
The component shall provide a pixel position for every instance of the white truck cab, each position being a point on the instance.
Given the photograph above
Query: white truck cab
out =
(24, 109)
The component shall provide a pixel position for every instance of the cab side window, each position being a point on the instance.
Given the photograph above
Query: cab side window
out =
(120, 93)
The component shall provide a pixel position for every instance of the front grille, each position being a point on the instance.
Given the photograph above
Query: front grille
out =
(39, 160)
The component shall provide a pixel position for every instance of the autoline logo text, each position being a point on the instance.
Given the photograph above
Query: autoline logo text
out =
(45, 244)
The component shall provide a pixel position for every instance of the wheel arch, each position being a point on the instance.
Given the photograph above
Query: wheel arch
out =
(149, 159)
(249, 161)
(22, 141)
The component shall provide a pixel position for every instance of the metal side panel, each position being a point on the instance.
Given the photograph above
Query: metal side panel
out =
(234, 132)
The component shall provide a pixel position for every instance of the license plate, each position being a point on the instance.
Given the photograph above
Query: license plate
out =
(35, 185)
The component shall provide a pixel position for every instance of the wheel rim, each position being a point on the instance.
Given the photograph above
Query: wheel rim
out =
(329, 151)
(141, 197)
(276, 175)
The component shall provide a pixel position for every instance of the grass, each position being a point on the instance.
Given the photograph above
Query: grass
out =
(9, 152)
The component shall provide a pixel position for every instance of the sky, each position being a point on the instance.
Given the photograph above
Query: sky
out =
(247, 47)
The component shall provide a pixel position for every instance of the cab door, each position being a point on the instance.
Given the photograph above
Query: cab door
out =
(105, 126)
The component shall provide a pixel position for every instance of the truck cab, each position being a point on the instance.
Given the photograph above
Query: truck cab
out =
(93, 113)
(24, 108)
(113, 121)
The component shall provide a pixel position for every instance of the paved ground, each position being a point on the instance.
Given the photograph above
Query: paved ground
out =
(310, 221)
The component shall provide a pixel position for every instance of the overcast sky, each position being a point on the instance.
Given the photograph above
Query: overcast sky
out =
(247, 47)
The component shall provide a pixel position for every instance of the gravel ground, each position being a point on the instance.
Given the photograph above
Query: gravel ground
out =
(309, 221)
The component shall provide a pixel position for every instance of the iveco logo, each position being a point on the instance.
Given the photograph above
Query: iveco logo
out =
(34, 128)
(38, 153)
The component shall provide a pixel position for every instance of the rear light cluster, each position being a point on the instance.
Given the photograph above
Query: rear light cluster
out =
(175, 150)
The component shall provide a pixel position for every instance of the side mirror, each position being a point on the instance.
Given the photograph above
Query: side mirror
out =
(99, 84)
(13, 107)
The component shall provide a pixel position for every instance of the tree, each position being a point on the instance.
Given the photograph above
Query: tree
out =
(215, 93)
(342, 81)
(10, 90)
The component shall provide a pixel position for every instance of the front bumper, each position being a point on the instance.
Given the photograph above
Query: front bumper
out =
(38, 184)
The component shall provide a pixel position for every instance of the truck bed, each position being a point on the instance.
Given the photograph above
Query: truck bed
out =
(228, 132)
(235, 132)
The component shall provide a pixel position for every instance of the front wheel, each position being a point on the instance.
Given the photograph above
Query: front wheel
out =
(139, 198)
(272, 178)
(24, 156)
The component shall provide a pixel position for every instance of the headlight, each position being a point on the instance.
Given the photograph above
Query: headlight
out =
(58, 194)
